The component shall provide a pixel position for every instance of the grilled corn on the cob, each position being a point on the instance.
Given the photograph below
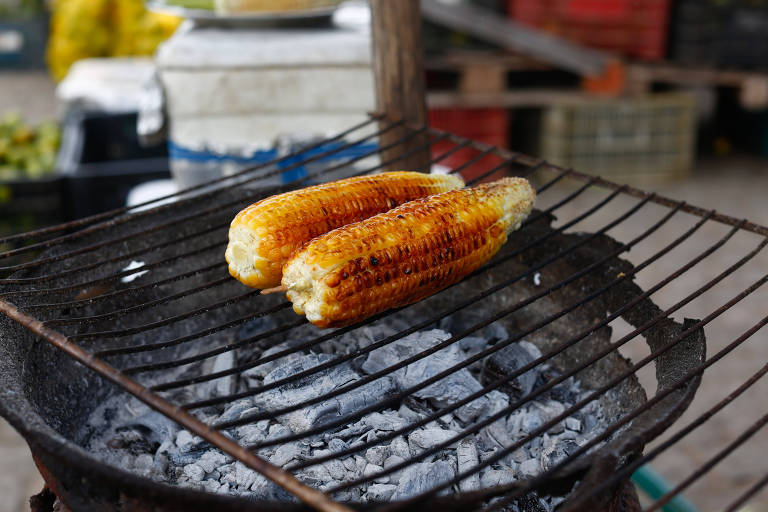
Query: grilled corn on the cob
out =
(405, 254)
(264, 235)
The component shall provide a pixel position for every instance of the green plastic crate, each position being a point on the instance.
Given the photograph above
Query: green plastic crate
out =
(635, 140)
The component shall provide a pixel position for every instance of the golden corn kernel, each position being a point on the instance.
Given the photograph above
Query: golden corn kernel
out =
(263, 236)
(405, 254)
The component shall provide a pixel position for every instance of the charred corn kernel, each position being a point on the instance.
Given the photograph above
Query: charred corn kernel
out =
(264, 235)
(403, 255)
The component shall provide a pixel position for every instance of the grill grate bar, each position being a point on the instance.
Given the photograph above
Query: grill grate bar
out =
(120, 333)
(390, 339)
(200, 213)
(221, 321)
(655, 400)
(113, 277)
(308, 495)
(627, 471)
(604, 183)
(114, 213)
(551, 384)
(119, 293)
(193, 336)
(545, 358)
(752, 491)
(710, 463)
(117, 220)
(337, 333)
(594, 395)
(122, 257)
(166, 321)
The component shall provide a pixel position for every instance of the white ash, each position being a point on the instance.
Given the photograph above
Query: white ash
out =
(149, 444)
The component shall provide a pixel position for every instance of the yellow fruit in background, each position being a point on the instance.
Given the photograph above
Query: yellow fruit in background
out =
(101, 28)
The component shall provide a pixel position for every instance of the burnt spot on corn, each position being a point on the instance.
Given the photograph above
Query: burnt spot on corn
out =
(373, 260)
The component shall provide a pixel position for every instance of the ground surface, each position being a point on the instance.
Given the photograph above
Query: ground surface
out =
(735, 187)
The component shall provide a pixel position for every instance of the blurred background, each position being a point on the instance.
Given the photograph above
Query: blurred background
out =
(105, 103)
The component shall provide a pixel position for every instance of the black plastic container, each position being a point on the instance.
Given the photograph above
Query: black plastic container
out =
(102, 159)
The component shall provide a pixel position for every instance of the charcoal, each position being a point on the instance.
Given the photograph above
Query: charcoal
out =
(557, 428)
(573, 424)
(556, 452)
(468, 319)
(315, 476)
(181, 458)
(505, 362)
(213, 459)
(235, 410)
(244, 476)
(399, 446)
(466, 454)
(371, 469)
(254, 375)
(531, 503)
(424, 439)
(386, 421)
(520, 455)
(529, 468)
(473, 344)
(153, 427)
(144, 462)
(194, 472)
(321, 382)
(380, 492)
(360, 463)
(211, 486)
(255, 327)
(223, 385)
(494, 477)
(408, 413)
(590, 422)
(448, 390)
(532, 420)
(250, 434)
(421, 477)
(277, 431)
(351, 431)
(284, 454)
(336, 469)
(131, 441)
(394, 460)
(377, 455)
(337, 445)
(188, 461)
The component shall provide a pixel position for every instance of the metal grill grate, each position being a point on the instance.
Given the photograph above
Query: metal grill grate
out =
(69, 285)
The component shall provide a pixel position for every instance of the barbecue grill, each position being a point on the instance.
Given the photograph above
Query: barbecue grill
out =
(82, 325)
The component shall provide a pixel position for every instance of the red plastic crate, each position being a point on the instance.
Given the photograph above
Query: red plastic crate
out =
(488, 125)
(634, 28)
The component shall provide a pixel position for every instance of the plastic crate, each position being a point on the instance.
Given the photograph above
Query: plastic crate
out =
(638, 140)
(29, 204)
(488, 125)
(723, 33)
(102, 159)
(635, 28)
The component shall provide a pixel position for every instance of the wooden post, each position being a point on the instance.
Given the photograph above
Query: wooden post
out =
(398, 57)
